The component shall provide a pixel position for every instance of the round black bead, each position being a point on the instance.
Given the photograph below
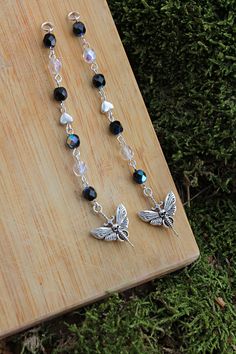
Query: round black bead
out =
(79, 29)
(116, 127)
(99, 81)
(49, 40)
(73, 141)
(89, 193)
(60, 94)
(139, 176)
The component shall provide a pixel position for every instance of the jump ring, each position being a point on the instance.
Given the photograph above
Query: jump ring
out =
(97, 208)
(73, 16)
(47, 27)
(148, 192)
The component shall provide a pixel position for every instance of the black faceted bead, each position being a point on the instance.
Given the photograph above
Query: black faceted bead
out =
(116, 127)
(49, 40)
(79, 29)
(139, 176)
(60, 94)
(99, 81)
(89, 193)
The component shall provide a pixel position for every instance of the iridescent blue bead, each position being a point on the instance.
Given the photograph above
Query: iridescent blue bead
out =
(139, 176)
(73, 141)
(89, 193)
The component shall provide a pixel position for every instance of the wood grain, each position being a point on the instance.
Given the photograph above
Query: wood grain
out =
(49, 263)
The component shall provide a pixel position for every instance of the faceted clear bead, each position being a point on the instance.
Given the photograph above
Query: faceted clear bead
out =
(80, 168)
(55, 66)
(127, 152)
(89, 55)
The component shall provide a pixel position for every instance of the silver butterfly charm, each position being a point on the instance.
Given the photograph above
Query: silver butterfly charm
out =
(114, 231)
(162, 213)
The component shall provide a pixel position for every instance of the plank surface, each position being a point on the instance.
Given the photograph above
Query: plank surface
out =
(49, 264)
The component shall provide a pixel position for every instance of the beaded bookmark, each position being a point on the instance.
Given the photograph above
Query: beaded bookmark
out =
(161, 213)
(115, 228)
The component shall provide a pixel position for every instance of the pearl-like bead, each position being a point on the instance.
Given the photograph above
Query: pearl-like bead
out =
(89, 55)
(127, 152)
(80, 168)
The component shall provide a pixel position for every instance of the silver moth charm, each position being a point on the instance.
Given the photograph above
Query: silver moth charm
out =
(116, 228)
(162, 213)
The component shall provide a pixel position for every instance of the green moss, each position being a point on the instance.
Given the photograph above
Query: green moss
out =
(176, 314)
(183, 56)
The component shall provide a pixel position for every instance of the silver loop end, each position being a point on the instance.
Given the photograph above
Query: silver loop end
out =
(73, 16)
(97, 208)
(147, 191)
(47, 27)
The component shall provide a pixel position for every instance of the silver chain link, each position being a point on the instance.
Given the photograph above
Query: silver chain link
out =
(147, 191)
(97, 208)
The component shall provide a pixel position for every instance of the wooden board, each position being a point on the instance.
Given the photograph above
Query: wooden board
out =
(49, 264)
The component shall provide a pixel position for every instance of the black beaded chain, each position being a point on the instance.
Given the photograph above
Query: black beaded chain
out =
(162, 213)
(60, 95)
(99, 82)
(111, 230)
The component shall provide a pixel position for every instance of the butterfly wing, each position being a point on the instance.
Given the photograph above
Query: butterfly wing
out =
(170, 205)
(121, 216)
(150, 216)
(104, 233)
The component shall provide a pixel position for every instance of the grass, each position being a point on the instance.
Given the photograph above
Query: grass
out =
(183, 56)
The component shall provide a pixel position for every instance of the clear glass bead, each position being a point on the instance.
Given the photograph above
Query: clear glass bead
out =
(55, 66)
(89, 55)
(80, 168)
(127, 152)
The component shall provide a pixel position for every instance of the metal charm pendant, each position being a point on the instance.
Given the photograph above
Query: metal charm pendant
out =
(162, 213)
(116, 227)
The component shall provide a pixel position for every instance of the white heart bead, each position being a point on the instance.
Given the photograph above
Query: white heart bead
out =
(66, 118)
(106, 106)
